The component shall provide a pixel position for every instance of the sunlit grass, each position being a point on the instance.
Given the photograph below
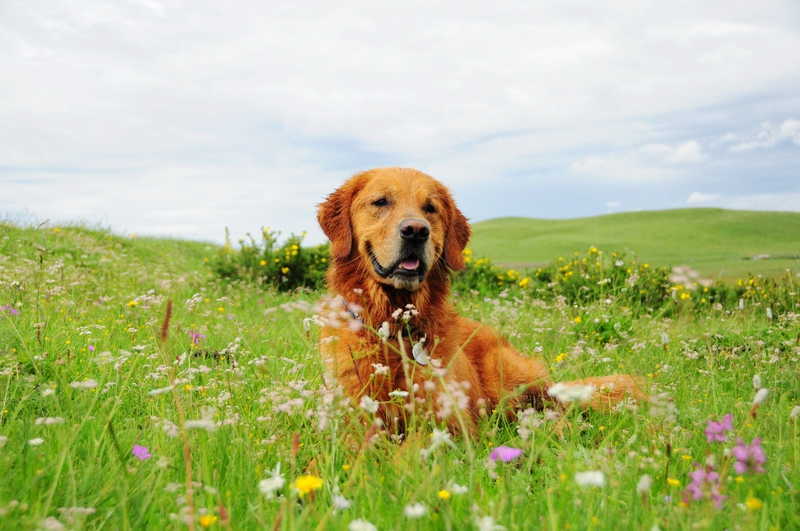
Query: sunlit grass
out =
(114, 416)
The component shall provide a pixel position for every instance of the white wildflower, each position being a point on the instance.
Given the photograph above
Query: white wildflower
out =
(36, 442)
(272, 484)
(368, 404)
(761, 395)
(384, 332)
(160, 391)
(757, 382)
(487, 523)
(85, 384)
(645, 482)
(571, 393)
(49, 421)
(415, 510)
(592, 478)
(340, 502)
(361, 525)
(792, 414)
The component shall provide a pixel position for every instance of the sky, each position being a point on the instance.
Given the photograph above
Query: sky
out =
(183, 118)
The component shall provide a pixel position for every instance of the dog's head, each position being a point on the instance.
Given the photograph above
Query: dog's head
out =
(401, 223)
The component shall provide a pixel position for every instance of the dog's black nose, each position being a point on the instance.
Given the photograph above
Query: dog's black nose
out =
(415, 230)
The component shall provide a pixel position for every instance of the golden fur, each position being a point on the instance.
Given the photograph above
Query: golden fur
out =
(395, 235)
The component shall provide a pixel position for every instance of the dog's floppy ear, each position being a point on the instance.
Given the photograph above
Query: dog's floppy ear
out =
(457, 237)
(334, 217)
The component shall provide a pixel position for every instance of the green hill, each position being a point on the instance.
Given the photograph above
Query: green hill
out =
(716, 242)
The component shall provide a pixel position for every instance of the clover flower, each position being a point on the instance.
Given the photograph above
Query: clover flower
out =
(716, 430)
(749, 457)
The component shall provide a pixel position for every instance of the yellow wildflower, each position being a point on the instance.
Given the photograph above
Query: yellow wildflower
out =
(444, 494)
(207, 520)
(753, 504)
(308, 484)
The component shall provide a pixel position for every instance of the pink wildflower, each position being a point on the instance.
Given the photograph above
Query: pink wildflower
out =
(141, 452)
(705, 484)
(716, 430)
(505, 453)
(749, 457)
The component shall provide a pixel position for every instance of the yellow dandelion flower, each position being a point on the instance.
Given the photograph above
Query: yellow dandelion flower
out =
(284, 270)
(207, 520)
(444, 494)
(263, 263)
(308, 484)
(578, 319)
(133, 303)
(673, 482)
(753, 504)
(686, 457)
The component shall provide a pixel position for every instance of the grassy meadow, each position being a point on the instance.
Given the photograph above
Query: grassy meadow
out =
(717, 243)
(140, 391)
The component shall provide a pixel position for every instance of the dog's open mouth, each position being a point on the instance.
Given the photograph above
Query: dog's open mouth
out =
(410, 266)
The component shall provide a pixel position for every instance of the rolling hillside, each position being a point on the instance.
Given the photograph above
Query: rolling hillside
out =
(715, 242)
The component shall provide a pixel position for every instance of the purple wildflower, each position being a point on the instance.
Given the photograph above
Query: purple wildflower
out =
(141, 452)
(196, 337)
(749, 457)
(716, 430)
(505, 453)
(9, 308)
(705, 484)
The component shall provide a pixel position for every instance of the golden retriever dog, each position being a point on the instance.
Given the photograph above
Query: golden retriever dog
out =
(393, 338)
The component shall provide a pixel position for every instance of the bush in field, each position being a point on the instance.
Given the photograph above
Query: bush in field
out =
(284, 267)
(582, 279)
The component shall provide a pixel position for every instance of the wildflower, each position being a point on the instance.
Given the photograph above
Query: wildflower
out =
(340, 502)
(705, 484)
(593, 478)
(673, 482)
(85, 384)
(272, 484)
(644, 485)
(10, 309)
(716, 430)
(794, 413)
(414, 510)
(571, 393)
(36, 442)
(383, 331)
(207, 520)
(505, 453)
(753, 504)
(133, 303)
(444, 494)
(308, 484)
(438, 438)
(757, 381)
(761, 395)
(455, 488)
(196, 337)
(749, 458)
(361, 525)
(49, 421)
(486, 523)
(141, 452)
(368, 404)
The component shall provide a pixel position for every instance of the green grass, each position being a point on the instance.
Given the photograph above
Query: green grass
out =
(81, 345)
(717, 243)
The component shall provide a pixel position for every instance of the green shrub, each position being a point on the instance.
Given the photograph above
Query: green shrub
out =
(284, 267)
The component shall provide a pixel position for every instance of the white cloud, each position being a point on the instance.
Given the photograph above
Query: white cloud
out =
(769, 136)
(697, 197)
(648, 163)
(686, 153)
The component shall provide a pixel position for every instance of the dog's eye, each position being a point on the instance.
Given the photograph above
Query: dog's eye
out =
(380, 202)
(429, 208)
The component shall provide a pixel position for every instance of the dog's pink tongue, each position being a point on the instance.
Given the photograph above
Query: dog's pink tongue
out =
(410, 265)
